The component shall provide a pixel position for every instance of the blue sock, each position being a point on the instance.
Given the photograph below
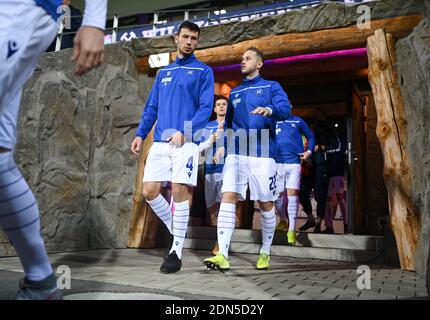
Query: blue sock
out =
(19, 219)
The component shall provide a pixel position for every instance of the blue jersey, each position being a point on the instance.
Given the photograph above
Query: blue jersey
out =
(183, 91)
(253, 93)
(289, 142)
(211, 167)
(50, 7)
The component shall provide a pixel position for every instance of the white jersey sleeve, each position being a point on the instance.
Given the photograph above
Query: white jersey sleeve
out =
(95, 13)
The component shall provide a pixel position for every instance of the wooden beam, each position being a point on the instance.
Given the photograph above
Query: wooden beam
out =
(143, 225)
(291, 44)
(392, 134)
(342, 64)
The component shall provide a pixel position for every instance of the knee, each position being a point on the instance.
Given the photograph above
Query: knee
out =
(180, 192)
(266, 206)
(150, 193)
(229, 197)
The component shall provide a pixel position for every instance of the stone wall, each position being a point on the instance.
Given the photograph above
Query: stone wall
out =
(413, 66)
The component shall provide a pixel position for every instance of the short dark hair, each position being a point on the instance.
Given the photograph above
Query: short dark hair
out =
(257, 51)
(220, 97)
(190, 26)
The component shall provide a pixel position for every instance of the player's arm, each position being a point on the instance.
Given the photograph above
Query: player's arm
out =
(149, 116)
(207, 140)
(206, 100)
(280, 107)
(311, 139)
(88, 49)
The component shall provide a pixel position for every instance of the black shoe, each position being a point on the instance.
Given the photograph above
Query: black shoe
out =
(328, 230)
(345, 228)
(39, 290)
(169, 246)
(317, 228)
(307, 225)
(172, 264)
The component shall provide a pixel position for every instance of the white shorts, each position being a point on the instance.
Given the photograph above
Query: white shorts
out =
(288, 176)
(259, 173)
(213, 184)
(336, 185)
(26, 31)
(168, 163)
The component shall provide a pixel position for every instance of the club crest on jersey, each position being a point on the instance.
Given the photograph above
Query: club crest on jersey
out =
(236, 102)
(166, 80)
(259, 92)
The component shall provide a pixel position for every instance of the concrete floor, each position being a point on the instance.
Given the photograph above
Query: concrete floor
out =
(134, 274)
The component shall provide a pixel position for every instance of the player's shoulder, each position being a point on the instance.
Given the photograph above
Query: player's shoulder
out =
(169, 67)
(211, 124)
(196, 63)
(237, 89)
(273, 84)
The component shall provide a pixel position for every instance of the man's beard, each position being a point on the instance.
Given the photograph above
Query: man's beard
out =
(186, 54)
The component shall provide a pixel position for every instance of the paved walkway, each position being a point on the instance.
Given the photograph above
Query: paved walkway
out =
(134, 274)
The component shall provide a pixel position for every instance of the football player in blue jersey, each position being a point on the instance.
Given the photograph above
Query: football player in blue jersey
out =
(181, 102)
(254, 107)
(28, 27)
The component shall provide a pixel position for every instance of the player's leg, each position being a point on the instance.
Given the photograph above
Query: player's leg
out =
(263, 187)
(280, 205)
(233, 188)
(340, 196)
(329, 206)
(157, 170)
(213, 184)
(292, 183)
(210, 198)
(183, 168)
(321, 184)
(304, 198)
(25, 33)
(19, 219)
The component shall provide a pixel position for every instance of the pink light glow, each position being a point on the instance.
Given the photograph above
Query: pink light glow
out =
(359, 53)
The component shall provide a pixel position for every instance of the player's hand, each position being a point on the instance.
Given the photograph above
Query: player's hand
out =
(88, 50)
(176, 140)
(219, 154)
(305, 156)
(265, 112)
(136, 144)
(214, 137)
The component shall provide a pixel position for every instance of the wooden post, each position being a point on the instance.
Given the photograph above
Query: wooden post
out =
(143, 226)
(392, 134)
